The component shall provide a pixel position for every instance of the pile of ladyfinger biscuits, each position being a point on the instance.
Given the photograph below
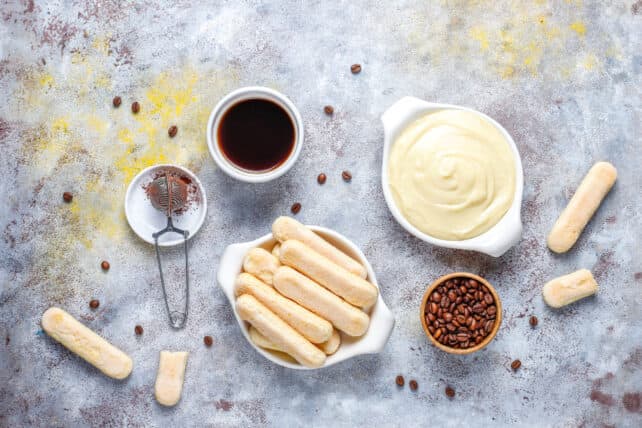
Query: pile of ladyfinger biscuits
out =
(110, 360)
(301, 294)
(570, 288)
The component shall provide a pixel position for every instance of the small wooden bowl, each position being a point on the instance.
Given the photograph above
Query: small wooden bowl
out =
(487, 339)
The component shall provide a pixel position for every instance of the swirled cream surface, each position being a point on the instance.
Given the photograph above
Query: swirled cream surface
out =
(452, 174)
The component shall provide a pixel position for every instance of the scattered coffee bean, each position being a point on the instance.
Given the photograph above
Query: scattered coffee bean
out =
(172, 131)
(117, 101)
(94, 304)
(67, 197)
(135, 107)
(208, 341)
(321, 178)
(105, 265)
(413, 385)
(533, 321)
(515, 365)
(450, 393)
(460, 313)
(138, 330)
(346, 176)
(399, 380)
(296, 207)
(355, 68)
(328, 110)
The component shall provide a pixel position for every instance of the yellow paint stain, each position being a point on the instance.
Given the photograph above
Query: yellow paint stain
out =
(579, 28)
(97, 124)
(125, 136)
(590, 62)
(481, 36)
(101, 44)
(533, 57)
(60, 125)
(46, 79)
(169, 97)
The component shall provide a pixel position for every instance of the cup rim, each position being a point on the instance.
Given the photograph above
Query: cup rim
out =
(246, 93)
(487, 339)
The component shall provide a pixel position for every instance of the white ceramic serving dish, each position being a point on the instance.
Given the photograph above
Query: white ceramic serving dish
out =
(248, 93)
(381, 319)
(494, 242)
(146, 220)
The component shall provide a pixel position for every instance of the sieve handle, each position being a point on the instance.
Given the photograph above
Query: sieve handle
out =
(177, 319)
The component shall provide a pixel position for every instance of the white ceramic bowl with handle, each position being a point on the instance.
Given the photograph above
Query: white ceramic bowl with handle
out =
(495, 241)
(381, 319)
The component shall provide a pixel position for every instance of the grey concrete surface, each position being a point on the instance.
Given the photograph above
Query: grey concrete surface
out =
(563, 77)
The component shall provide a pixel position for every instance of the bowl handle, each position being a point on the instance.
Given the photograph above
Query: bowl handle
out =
(378, 332)
(397, 113)
(506, 235)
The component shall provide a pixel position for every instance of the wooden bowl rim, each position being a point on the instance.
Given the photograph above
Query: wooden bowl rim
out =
(498, 318)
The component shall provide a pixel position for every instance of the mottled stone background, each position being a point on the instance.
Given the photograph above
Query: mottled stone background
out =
(563, 77)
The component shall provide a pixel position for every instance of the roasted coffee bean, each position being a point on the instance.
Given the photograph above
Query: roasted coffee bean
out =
(208, 341)
(488, 299)
(431, 329)
(67, 197)
(436, 297)
(462, 337)
(135, 107)
(515, 365)
(346, 176)
(491, 310)
(116, 102)
(437, 333)
(94, 304)
(138, 330)
(431, 317)
(321, 178)
(450, 393)
(328, 110)
(172, 131)
(296, 207)
(433, 307)
(472, 283)
(104, 265)
(448, 317)
(533, 321)
(413, 385)
(452, 295)
(355, 68)
(451, 327)
(399, 380)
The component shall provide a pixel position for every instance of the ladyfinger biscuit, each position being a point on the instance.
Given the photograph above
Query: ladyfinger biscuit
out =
(351, 287)
(170, 377)
(310, 325)
(582, 206)
(261, 264)
(569, 288)
(285, 228)
(261, 341)
(329, 347)
(86, 344)
(332, 344)
(276, 249)
(319, 300)
(279, 332)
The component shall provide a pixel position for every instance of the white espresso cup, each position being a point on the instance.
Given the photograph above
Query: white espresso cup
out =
(236, 97)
